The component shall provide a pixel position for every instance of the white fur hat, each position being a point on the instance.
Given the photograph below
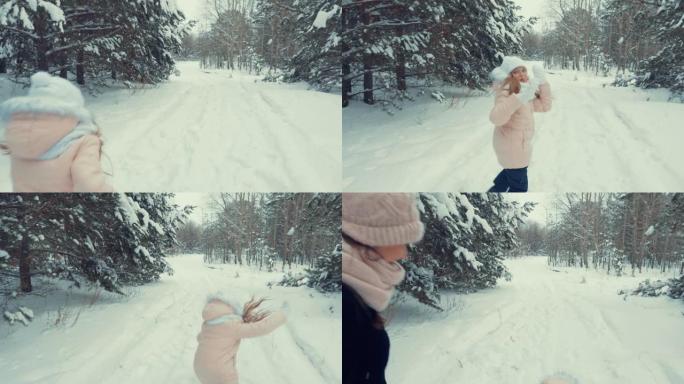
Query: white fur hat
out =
(234, 302)
(48, 94)
(508, 64)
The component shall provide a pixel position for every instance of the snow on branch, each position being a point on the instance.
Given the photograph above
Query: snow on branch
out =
(322, 17)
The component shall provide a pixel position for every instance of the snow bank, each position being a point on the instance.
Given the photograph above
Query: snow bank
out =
(543, 322)
(149, 336)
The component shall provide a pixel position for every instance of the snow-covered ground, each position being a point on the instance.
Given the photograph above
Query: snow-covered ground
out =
(541, 323)
(212, 130)
(595, 138)
(150, 336)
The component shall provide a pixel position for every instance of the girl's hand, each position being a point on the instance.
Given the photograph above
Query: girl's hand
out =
(539, 73)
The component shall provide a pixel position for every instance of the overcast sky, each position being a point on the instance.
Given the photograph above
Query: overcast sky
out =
(531, 8)
(191, 8)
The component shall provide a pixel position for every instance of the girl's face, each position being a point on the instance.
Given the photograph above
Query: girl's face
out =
(520, 74)
(392, 253)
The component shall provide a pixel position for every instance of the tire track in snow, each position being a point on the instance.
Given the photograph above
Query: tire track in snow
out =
(316, 360)
(302, 140)
(295, 349)
(209, 131)
(548, 323)
(151, 336)
(583, 143)
(650, 150)
(267, 133)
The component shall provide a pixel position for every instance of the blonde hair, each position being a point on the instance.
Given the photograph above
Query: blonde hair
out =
(511, 84)
(250, 312)
(98, 134)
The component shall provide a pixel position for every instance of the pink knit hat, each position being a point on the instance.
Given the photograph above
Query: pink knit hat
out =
(381, 219)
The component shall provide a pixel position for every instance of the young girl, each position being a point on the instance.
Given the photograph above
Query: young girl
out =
(516, 99)
(225, 324)
(376, 227)
(51, 138)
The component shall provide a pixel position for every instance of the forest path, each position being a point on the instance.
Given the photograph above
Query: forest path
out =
(542, 322)
(218, 130)
(595, 138)
(589, 140)
(151, 337)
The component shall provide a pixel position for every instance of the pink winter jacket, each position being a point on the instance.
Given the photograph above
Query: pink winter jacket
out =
(514, 123)
(218, 344)
(76, 170)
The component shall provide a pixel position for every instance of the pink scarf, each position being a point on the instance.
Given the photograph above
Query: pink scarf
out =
(369, 275)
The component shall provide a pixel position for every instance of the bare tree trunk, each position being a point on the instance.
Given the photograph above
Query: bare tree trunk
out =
(346, 64)
(400, 68)
(25, 264)
(400, 72)
(367, 65)
(41, 43)
(80, 68)
(63, 71)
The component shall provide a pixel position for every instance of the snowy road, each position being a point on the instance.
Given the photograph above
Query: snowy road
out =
(594, 139)
(151, 337)
(209, 131)
(543, 322)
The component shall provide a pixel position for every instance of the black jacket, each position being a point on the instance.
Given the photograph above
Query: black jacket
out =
(365, 348)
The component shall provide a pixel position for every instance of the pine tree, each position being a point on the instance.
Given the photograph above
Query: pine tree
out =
(109, 239)
(31, 28)
(467, 237)
(420, 281)
(129, 40)
(316, 36)
(148, 224)
(326, 273)
(319, 227)
(665, 69)
(472, 37)
(393, 41)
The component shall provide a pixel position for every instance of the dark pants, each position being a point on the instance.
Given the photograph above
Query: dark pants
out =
(510, 180)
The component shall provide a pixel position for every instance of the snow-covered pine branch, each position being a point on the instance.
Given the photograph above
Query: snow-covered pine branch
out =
(85, 238)
(466, 238)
